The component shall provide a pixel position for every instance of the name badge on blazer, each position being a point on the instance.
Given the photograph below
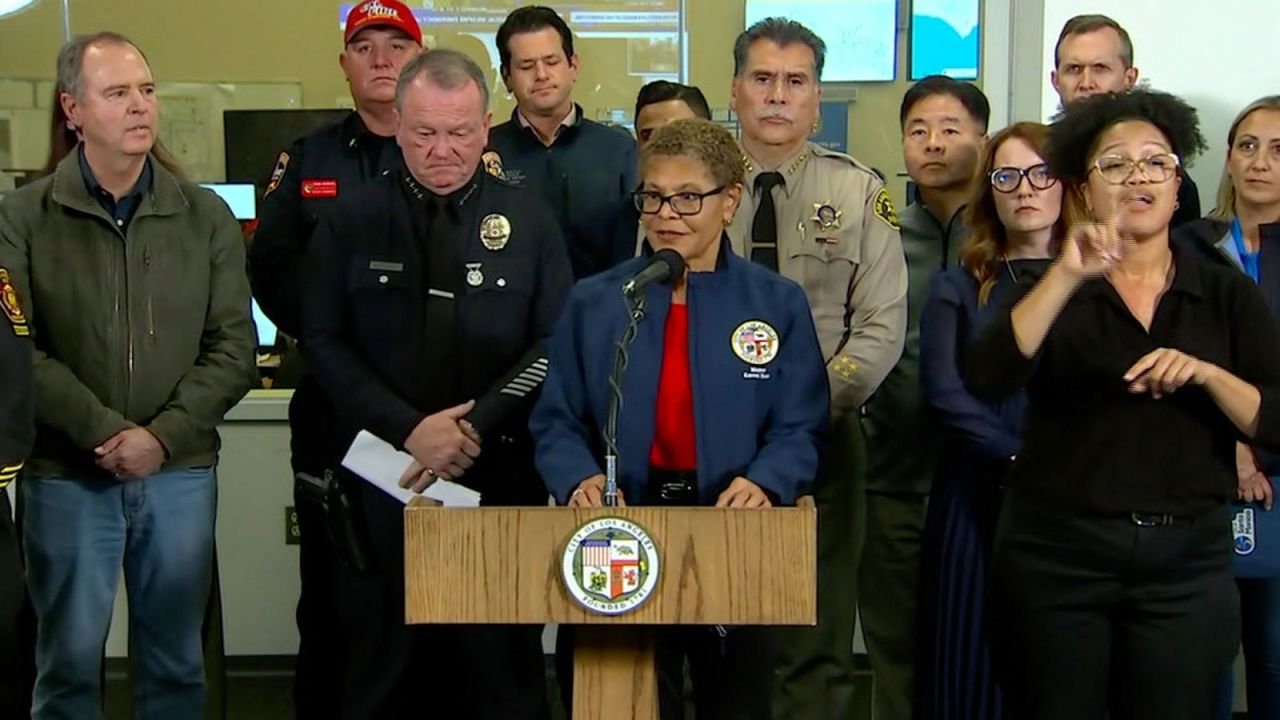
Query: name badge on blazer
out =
(755, 343)
(320, 188)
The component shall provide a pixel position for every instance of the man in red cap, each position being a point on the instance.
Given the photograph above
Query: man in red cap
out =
(381, 36)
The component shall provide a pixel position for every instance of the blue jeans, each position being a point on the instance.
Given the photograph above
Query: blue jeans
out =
(77, 535)
(1260, 613)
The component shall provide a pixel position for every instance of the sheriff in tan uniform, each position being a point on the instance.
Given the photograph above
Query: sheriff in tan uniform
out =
(838, 238)
(826, 223)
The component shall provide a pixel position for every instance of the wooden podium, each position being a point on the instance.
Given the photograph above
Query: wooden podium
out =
(717, 567)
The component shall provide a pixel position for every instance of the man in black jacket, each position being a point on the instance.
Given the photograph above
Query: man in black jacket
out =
(583, 170)
(17, 430)
(426, 287)
(380, 37)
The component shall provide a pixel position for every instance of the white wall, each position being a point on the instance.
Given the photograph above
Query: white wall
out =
(1219, 56)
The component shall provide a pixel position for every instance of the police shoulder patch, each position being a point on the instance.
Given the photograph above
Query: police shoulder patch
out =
(493, 164)
(277, 174)
(11, 306)
(882, 206)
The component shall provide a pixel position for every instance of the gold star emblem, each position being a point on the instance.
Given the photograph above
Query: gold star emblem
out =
(845, 367)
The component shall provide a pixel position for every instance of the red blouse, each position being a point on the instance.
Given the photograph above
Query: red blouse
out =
(674, 438)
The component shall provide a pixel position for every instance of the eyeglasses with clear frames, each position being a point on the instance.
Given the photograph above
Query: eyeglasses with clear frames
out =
(683, 203)
(1009, 179)
(1117, 169)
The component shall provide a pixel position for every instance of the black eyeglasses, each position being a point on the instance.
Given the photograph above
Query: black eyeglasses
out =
(683, 203)
(1008, 179)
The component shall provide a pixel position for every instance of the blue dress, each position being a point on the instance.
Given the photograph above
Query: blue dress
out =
(955, 679)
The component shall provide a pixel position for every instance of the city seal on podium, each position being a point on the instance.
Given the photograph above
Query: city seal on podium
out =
(610, 566)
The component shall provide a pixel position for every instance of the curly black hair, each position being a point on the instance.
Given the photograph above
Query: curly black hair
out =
(1077, 128)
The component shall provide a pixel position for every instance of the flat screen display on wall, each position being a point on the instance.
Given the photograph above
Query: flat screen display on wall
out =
(945, 38)
(861, 35)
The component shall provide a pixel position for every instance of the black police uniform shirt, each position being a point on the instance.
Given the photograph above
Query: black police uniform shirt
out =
(308, 178)
(375, 338)
(17, 384)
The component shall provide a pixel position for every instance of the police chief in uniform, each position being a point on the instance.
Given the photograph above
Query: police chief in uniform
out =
(824, 220)
(309, 177)
(17, 431)
(428, 289)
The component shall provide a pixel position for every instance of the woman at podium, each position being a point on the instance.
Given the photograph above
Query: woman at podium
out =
(724, 395)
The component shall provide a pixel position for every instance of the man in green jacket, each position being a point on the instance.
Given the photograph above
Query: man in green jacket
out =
(133, 288)
(944, 125)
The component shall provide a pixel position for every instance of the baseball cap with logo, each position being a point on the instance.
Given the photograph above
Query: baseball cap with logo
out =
(382, 13)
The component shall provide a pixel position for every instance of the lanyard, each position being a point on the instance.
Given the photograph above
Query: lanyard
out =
(1247, 259)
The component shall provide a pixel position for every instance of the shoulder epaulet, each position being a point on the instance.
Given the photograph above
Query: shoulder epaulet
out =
(821, 152)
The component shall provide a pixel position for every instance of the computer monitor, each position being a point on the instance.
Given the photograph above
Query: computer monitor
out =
(268, 334)
(861, 35)
(254, 139)
(240, 197)
(945, 38)
(243, 201)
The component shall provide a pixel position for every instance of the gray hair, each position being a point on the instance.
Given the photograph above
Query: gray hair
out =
(1081, 24)
(783, 32)
(447, 69)
(71, 59)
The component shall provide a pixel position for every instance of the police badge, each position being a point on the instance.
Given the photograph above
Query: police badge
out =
(495, 231)
(827, 217)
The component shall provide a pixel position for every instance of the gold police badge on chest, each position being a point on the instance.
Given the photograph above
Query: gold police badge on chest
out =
(495, 231)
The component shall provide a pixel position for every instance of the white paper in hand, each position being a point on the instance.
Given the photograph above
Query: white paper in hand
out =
(382, 465)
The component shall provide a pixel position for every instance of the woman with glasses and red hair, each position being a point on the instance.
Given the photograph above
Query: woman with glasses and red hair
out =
(1143, 366)
(1013, 215)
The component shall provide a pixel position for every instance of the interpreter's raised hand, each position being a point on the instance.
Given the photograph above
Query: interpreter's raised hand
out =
(1091, 249)
(445, 443)
(742, 493)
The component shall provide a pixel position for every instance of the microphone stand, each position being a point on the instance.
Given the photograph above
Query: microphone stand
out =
(635, 307)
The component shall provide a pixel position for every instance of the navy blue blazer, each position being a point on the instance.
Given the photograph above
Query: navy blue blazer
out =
(762, 419)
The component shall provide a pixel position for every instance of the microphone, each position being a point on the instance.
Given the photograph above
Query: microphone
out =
(665, 266)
